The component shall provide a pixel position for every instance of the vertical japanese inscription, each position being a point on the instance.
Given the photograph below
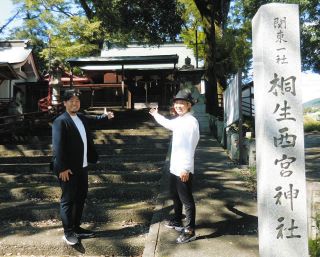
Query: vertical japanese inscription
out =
(279, 132)
(280, 87)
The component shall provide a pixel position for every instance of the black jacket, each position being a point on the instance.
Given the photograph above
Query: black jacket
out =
(67, 144)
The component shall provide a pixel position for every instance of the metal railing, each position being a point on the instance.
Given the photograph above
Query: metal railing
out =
(248, 107)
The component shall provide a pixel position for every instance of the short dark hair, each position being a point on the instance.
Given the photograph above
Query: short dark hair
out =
(69, 93)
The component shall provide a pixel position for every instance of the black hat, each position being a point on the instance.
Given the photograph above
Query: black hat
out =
(184, 94)
(69, 93)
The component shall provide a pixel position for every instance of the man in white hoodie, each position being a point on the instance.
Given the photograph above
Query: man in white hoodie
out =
(185, 138)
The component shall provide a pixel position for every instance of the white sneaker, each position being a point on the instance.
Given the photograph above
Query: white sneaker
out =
(70, 238)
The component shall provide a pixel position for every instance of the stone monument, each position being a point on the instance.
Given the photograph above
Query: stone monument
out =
(55, 82)
(282, 207)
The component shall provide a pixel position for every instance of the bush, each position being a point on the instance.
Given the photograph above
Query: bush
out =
(314, 245)
(250, 177)
(311, 125)
(314, 248)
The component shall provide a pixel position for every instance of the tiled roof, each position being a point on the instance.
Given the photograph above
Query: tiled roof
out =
(167, 56)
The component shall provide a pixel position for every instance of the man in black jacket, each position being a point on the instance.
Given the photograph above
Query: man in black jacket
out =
(73, 149)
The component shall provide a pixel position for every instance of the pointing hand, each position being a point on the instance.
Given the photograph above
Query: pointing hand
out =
(153, 111)
(110, 115)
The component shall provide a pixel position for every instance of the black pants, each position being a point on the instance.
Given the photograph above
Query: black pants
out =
(74, 194)
(181, 193)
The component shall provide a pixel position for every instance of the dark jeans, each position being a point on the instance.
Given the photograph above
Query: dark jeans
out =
(181, 193)
(74, 193)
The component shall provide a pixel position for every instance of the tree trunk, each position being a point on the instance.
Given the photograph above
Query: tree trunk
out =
(211, 90)
(208, 10)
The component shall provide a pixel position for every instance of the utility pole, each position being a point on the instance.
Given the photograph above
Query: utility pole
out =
(240, 140)
(197, 53)
(49, 53)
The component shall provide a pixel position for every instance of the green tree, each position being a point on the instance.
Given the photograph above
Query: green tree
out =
(153, 22)
(81, 27)
(244, 11)
(192, 30)
(56, 28)
(227, 33)
(211, 16)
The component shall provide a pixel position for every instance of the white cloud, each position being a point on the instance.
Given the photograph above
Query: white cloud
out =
(6, 10)
(310, 86)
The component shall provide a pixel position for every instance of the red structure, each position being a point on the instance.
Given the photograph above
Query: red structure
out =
(45, 104)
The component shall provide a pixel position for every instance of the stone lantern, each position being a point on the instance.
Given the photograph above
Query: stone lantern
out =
(55, 82)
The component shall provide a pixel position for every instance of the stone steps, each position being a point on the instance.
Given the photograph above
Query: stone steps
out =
(112, 144)
(126, 135)
(112, 239)
(105, 161)
(104, 155)
(94, 178)
(32, 210)
(122, 190)
(109, 164)
(99, 191)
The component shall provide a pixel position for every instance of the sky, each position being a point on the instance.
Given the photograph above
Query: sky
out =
(6, 6)
(6, 10)
(310, 81)
(310, 86)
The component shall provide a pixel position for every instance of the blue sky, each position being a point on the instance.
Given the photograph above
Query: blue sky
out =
(6, 12)
(6, 9)
(6, 6)
(311, 82)
(310, 86)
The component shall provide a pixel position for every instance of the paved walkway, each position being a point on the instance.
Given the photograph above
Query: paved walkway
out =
(226, 212)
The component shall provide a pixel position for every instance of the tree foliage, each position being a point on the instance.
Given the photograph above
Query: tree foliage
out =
(233, 33)
(244, 10)
(81, 27)
(148, 21)
(192, 30)
(57, 29)
(87, 24)
(210, 18)
(227, 35)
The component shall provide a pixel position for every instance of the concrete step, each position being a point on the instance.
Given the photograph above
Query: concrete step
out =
(129, 140)
(45, 238)
(136, 157)
(109, 211)
(115, 144)
(103, 159)
(99, 191)
(122, 190)
(125, 153)
(24, 167)
(9, 180)
(107, 164)
(139, 131)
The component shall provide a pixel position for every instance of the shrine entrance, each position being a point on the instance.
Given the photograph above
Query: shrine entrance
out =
(129, 82)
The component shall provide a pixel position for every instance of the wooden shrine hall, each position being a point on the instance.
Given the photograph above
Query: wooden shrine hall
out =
(121, 78)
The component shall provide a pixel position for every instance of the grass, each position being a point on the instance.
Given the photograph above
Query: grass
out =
(314, 244)
(250, 177)
(314, 247)
(311, 124)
